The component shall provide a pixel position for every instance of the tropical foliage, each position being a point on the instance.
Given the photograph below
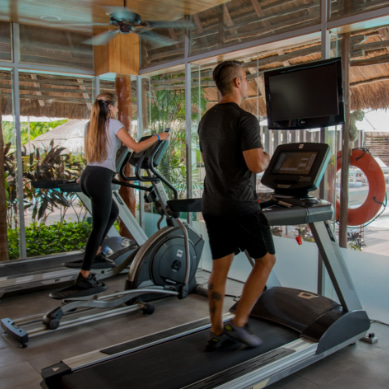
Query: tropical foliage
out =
(49, 239)
(28, 130)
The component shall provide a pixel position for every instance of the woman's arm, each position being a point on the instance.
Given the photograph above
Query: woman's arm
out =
(137, 147)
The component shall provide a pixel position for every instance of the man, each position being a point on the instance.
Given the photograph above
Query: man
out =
(233, 154)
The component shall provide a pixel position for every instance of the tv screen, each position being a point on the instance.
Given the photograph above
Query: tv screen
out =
(305, 96)
(290, 162)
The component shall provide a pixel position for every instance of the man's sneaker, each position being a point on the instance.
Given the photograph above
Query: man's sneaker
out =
(221, 342)
(242, 334)
(90, 283)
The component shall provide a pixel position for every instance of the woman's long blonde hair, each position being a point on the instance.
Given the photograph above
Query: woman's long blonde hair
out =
(96, 137)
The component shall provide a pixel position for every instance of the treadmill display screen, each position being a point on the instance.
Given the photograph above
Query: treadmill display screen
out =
(296, 163)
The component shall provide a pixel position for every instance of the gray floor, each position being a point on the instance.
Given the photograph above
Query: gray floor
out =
(359, 366)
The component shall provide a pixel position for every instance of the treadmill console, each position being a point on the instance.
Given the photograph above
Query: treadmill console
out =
(296, 169)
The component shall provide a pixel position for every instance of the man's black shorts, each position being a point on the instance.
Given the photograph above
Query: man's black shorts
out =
(235, 233)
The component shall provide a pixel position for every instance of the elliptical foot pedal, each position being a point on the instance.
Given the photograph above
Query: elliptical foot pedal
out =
(74, 265)
(100, 262)
(76, 293)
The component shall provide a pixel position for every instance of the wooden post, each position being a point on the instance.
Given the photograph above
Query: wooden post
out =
(3, 204)
(123, 92)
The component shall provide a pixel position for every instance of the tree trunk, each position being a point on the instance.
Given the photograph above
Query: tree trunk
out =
(123, 91)
(3, 204)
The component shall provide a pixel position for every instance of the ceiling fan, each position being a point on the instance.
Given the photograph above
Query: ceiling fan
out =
(126, 21)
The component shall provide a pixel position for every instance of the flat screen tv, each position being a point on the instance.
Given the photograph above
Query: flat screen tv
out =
(305, 96)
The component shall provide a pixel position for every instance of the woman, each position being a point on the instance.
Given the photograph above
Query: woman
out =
(103, 137)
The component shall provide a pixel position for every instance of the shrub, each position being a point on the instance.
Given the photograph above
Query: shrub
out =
(54, 238)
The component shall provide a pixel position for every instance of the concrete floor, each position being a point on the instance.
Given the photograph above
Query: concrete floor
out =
(359, 366)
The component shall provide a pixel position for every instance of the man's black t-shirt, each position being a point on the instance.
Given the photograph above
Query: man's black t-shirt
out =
(225, 131)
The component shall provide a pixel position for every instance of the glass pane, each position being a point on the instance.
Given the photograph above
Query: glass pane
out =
(368, 73)
(54, 110)
(343, 8)
(5, 42)
(39, 45)
(164, 107)
(367, 241)
(239, 21)
(167, 110)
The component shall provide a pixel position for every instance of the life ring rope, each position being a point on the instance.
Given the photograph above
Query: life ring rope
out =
(376, 197)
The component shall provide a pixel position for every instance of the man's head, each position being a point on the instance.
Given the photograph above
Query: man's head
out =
(225, 75)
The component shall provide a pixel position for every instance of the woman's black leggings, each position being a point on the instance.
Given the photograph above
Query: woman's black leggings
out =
(96, 183)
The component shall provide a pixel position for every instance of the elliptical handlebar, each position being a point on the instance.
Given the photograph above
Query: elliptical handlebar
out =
(147, 159)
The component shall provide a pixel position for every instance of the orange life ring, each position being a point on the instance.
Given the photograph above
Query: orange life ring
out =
(362, 159)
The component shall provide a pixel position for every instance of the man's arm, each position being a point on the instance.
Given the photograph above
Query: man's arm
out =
(257, 160)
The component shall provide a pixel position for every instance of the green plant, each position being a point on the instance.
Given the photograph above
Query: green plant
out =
(55, 238)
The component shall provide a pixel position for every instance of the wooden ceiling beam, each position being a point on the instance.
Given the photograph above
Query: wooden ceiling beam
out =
(380, 60)
(258, 10)
(56, 99)
(369, 81)
(53, 90)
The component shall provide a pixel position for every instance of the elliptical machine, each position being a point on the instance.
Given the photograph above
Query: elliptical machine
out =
(165, 265)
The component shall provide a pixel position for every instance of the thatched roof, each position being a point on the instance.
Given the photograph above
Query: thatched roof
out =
(231, 23)
(50, 95)
(69, 135)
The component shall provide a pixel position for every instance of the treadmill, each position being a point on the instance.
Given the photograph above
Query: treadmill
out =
(298, 327)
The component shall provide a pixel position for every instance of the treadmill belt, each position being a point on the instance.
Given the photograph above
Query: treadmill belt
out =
(176, 363)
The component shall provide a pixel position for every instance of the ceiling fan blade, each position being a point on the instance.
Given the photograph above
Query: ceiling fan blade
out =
(103, 38)
(122, 13)
(156, 39)
(86, 24)
(178, 24)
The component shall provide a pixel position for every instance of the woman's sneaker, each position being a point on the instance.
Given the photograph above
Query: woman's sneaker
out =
(82, 287)
(242, 334)
(90, 283)
(102, 262)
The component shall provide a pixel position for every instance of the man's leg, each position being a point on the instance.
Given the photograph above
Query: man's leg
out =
(253, 288)
(216, 291)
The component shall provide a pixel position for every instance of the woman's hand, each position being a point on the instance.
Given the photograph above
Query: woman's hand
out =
(163, 135)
